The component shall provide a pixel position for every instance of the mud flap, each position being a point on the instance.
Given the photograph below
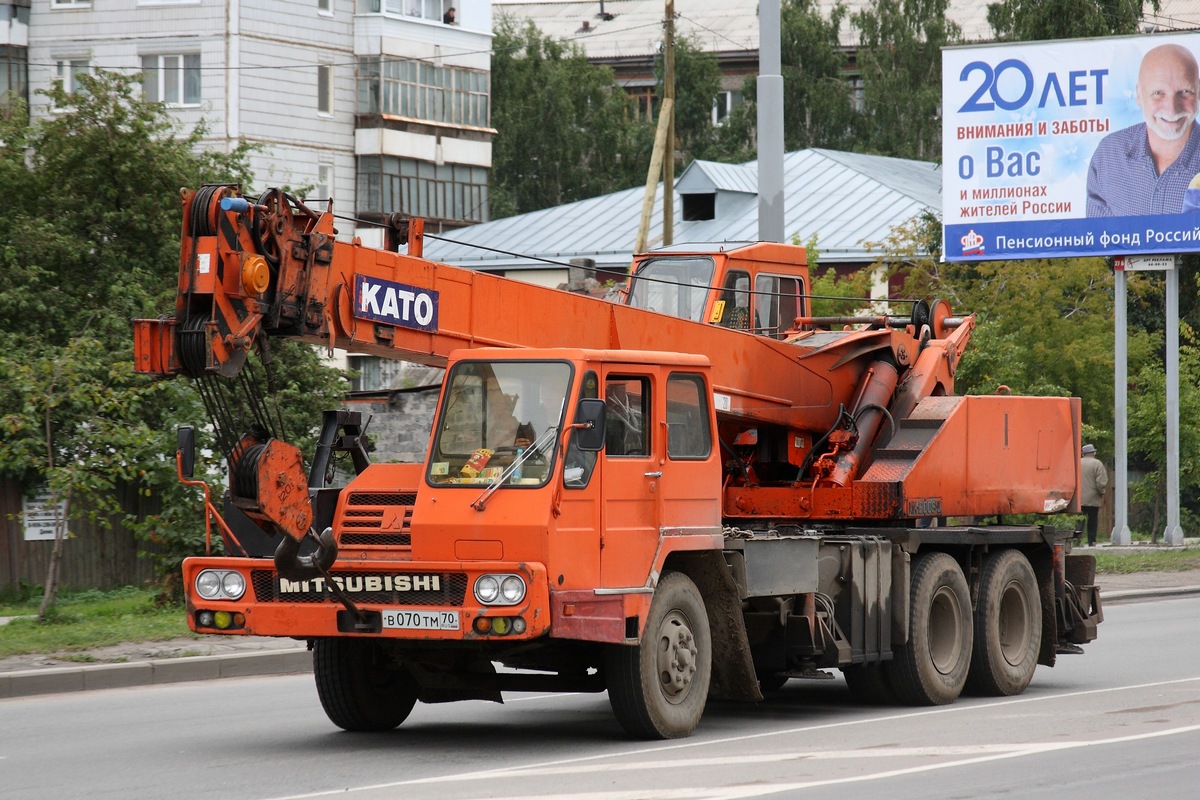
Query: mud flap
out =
(1081, 600)
(733, 675)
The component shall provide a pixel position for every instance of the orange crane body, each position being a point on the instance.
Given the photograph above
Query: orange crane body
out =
(703, 467)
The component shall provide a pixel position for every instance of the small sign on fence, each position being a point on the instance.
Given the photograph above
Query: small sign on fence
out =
(39, 513)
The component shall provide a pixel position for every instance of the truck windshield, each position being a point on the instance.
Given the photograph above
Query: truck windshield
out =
(675, 286)
(492, 413)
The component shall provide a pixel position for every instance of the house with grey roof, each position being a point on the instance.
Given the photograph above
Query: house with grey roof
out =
(844, 201)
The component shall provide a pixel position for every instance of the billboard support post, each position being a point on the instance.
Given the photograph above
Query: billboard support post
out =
(1174, 533)
(1120, 531)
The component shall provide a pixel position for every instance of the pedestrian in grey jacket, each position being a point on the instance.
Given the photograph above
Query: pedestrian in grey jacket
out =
(1093, 482)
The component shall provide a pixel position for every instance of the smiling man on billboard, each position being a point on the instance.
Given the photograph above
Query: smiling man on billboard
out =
(1146, 168)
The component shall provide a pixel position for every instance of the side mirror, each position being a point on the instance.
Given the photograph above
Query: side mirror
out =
(589, 425)
(187, 450)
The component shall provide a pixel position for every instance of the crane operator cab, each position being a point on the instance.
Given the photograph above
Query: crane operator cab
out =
(757, 287)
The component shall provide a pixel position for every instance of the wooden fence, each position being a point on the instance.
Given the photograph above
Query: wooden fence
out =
(93, 558)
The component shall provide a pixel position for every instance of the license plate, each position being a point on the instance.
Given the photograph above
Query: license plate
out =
(420, 620)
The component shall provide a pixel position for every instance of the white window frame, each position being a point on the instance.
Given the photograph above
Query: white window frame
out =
(324, 187)
(65, 70)
(732, 99)
(179, 70)
(325, 8)
(70, 4)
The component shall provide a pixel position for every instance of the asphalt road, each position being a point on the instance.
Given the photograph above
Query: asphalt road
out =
(1121, 721)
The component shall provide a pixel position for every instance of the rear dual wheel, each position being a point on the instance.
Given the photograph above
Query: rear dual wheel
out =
(1008, 626)
(931, 668)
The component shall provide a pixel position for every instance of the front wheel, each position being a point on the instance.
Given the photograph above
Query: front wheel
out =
(931, 668)
(658, 688)
(359, 689)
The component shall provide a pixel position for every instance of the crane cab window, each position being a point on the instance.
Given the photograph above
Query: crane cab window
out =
(688, 432)
(675, 286)
(777, 303)
(628, 416)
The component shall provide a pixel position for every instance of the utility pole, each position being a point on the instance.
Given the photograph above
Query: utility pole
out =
(669, 108)
(770, 124)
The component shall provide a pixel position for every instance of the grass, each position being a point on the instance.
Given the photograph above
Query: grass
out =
(84, 620)
(1150, 561)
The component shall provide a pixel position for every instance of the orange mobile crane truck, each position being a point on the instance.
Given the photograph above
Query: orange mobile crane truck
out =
(698, 492)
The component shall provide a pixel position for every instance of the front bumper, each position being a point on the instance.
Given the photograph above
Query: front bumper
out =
(434, 595)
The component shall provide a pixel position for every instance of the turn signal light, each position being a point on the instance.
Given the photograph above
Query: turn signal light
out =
(499, 626)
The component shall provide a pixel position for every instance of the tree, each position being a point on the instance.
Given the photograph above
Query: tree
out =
(697, 81)
(564, 130)
(91, 239)
(899, 57)
(817, 109)
(1034, 20)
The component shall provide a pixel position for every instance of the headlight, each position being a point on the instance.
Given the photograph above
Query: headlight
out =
(220, 584)
(208, 584)
(233, 585)
(487, 589)
(500, 590)
(512, 589)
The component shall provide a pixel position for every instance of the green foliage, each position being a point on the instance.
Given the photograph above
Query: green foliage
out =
(564, 131)
(817, 106)
(86, 620)
(89, 239)
(899, 56)
(1035, 20)
(1161, 561)
(697, 81)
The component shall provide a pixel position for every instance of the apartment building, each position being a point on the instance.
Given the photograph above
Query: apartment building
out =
(381, 105)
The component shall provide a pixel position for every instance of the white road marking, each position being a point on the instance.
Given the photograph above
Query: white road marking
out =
(572, 765)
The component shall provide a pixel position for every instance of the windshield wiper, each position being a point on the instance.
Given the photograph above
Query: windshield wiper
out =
(538, 446)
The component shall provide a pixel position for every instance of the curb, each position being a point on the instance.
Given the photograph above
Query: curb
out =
(1147, 594)
(56, 680)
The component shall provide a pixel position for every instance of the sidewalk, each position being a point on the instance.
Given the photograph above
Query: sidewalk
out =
(213, 657)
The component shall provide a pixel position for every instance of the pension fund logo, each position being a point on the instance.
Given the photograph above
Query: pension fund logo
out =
(972, 243)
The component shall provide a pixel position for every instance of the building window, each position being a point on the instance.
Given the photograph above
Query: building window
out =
(446, 192)
(723, 104)
(14, 74)
(173, 79)
(70, 3)
(647, 102)
(419, 90)
(433, 10)
(325, 89)
(68, 71)
(324, 188)
(325, 6)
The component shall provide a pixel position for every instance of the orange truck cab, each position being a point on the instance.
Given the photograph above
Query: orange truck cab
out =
(558, 483)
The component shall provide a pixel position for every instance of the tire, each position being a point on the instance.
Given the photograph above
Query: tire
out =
(658, 688)
(358, 690)
(931, 668)
(1008, 626)
(868, 684)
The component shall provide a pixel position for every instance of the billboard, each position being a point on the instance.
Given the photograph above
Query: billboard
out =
(1071, 148)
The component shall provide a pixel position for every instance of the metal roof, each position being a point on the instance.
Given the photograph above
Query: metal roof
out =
(635, 27)
(844, 199)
